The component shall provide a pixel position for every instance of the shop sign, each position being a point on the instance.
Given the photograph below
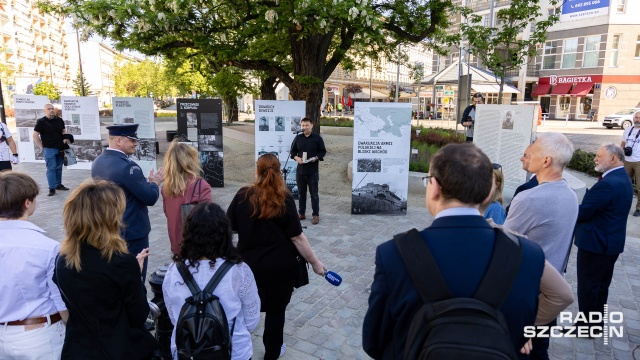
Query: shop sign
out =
(611, 92)
(555, 79)
(448, 93)
(333, 89)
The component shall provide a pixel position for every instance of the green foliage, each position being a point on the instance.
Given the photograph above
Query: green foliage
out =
(503, 47)
(47, 89)
(339, 122)
(301, 42)
(583, 161)
(144, 79)
(428, 143)
(78, 84)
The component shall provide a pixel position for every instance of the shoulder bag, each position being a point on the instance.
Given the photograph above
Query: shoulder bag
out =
(185, 209)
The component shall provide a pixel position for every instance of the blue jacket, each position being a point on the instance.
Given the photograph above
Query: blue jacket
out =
(462, 247)
(115, 166)
(602, 219)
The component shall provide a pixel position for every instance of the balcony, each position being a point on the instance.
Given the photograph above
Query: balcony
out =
(533, 70)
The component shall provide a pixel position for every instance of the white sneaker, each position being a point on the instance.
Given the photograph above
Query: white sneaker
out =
(283, 349)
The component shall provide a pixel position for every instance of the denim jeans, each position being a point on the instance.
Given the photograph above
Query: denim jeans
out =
(312, 182)
(42, 343)
(53, 160)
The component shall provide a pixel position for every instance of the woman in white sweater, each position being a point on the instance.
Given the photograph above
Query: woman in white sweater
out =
(207, 244)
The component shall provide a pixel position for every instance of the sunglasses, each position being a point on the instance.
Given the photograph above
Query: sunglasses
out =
(496, 166)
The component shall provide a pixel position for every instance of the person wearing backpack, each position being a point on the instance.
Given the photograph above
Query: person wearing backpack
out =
(209, 276)
(462, 263)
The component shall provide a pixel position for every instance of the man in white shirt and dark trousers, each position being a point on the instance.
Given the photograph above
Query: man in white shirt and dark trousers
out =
(32, 313)
(630, 144)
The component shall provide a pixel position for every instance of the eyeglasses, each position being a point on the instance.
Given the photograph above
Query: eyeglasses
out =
(496, 166)
(425, 179)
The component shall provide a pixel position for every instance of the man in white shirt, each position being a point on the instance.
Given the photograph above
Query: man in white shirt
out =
(8, 150)
(32, 313)
(631, 145)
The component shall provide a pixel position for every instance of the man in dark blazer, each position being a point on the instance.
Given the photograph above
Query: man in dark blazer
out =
(601, 228)
(461, 241)
(114, 165)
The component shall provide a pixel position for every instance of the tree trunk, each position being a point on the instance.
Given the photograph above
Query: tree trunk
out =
(231, 105)
(268, 88)
(501, 87)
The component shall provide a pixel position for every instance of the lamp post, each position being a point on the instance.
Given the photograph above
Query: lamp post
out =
(80, 64)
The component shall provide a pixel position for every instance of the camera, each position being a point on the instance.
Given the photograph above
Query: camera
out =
(628, 150)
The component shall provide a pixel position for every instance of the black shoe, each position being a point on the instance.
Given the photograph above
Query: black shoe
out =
(52, 192)
(636, 213)
(62, 187)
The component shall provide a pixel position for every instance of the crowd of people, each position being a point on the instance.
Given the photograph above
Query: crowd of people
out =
(85, 298)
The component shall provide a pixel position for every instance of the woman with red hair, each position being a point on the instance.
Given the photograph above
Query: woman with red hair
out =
(269, 239)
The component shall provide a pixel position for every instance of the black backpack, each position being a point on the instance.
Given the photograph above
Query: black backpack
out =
(202, 330)
(459, 328)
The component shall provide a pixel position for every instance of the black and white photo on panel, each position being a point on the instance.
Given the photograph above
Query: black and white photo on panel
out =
(263, 124)
(24, 135)
(212, 167)
(27, 117)
(280, 121)
(74, 130)
(145, 151)
(377, 193)
(295, 124)
(369, 165)
(289, 173)
(192, 119)
(128, 120)
(210, 142)
(86, 150)
(507, 122)
(75, 119)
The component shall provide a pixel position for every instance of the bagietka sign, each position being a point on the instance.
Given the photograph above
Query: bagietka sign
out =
(555, 79)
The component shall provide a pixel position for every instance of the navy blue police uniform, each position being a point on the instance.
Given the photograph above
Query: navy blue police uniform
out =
(115, 166)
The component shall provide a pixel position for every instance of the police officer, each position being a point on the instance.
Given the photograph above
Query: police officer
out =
(114, 165)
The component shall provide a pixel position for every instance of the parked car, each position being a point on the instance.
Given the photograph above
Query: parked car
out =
(623, 119)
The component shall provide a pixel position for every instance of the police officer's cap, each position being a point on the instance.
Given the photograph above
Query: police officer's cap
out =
(126, 130)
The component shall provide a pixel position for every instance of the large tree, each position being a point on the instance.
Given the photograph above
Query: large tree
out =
(505, 47)
(147, 78)
(47, 89)
(81, 86)
(298, 42)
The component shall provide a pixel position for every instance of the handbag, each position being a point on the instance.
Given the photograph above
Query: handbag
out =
(185, 209)
(302, 274)
(69, 157)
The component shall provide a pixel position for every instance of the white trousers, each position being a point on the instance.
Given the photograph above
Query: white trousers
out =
(44, 343)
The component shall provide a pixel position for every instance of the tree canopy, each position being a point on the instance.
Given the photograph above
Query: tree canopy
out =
(504, 47)
(298, 42)
(47, 89)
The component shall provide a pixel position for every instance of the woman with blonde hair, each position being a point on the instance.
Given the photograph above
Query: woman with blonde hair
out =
(494, 209)
(99, 280)
(182, 185)
(269, 240)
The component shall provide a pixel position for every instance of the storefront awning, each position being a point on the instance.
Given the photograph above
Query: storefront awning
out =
(374, 94)
(561, 89)
(490, 89)
(581, 89)
(541, 89)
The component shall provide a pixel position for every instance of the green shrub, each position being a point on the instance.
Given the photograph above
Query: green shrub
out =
(428, 143)
(166, 114)
(339, 122)
(583, 161)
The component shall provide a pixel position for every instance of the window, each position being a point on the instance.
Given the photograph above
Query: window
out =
(591, 51)
(620, 6)
(638, 47)
(549, 55)
(615, 49)
(491, 98)
(563, 103)
(569, 53)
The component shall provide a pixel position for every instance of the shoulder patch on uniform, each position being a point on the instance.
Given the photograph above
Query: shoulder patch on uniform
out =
(131, 169)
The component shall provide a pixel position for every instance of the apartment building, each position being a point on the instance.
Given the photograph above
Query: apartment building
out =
(99, 62)
(377, 78)
(32, 45)
(590, 64)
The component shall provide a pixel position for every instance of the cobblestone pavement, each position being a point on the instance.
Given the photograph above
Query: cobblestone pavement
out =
(325, 322)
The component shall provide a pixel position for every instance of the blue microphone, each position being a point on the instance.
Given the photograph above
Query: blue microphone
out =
(333, 278)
